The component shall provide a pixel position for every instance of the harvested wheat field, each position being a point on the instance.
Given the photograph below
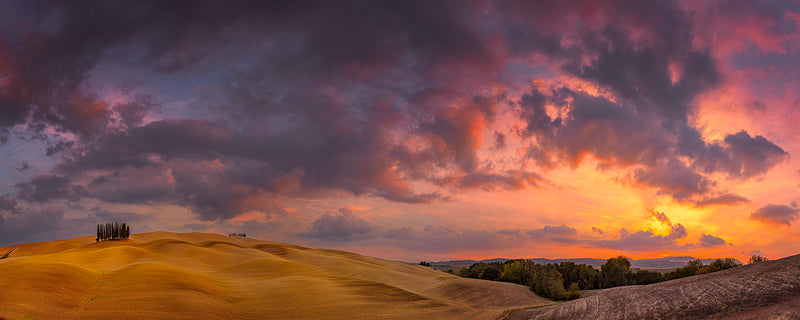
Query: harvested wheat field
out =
(764, 290)
(163, 275)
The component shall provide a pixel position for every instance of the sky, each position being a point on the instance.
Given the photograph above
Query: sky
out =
(409, 130)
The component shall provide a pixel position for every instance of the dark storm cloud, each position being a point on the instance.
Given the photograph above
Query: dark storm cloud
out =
(342, 226)
(294, 110)
(727, 199)
(646, 124)
(346, 226)
(508, 180)
(23, 167)
(709, 241)
(639, 241)
(365, 97)
(44, 188)
(561, 233)
(9, 204)
(98, 215)
(749, 156)
(778, 214)
(132, 113)
(31, 225)
(48, 56)
(674, 179)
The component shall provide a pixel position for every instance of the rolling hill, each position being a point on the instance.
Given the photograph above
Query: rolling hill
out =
(163, 275)
(764, 290)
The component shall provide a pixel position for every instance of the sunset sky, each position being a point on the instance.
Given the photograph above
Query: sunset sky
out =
(410, 130)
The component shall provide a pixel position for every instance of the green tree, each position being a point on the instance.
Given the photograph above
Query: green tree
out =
(757, 258)
(570, 271)
(646, 277)
(615, 272)
(588, 277)
(492, 272)
(691, 268)
(574, 291)
(718, 265)
(475, 270)
(553, 285)
(518, 271)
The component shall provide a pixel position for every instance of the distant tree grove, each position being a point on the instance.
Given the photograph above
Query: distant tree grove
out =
(112, 231)
(565, 280)
(757, 258)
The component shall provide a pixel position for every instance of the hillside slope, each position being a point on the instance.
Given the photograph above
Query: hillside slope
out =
(163, 275)
(765, 290)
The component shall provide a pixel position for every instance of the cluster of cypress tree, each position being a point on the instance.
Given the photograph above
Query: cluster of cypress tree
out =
(112, 231)
(237, 235)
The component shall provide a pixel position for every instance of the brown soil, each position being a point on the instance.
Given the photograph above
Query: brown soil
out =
(164, 275)
(766, 290)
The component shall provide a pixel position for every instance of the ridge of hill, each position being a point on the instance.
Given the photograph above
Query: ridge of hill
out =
(763, 290)
(163, 275)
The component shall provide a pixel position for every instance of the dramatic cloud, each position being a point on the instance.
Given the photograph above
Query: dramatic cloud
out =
(31, 225)
(726, 199)
(44, 188)
(255, 109)
(639, 241)
(709, 241)
(373, 110)
(560, 233)
(340, 227)
(778, 214)
(9, 204)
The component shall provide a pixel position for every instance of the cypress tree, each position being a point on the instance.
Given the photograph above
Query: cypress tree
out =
(113, 231)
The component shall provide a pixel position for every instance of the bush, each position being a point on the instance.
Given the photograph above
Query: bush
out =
(424, 264)
(719, 265)
(574, 291)
(756, 258)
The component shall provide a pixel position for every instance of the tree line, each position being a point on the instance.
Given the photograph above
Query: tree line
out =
(112, 231)
(565, 280)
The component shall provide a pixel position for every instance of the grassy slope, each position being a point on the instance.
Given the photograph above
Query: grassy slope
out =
(208, 276)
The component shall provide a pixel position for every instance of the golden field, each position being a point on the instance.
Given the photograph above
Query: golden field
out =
(162, 275)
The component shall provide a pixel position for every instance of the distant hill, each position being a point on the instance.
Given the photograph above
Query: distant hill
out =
(664, 263)
(163, 275)
(764, 290)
